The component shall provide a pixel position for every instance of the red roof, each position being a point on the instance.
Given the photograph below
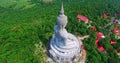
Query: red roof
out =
(105, 15)
(94, 28)
(116, 24)
(81, 17)
(96, 42)
(101, 48)
(113, 42)
(117, 14)
(99, 35)
(116, 31)
(116, 51)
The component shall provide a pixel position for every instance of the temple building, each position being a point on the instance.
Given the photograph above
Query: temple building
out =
(64, 47)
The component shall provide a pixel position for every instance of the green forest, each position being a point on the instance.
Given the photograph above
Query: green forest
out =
(27, 25)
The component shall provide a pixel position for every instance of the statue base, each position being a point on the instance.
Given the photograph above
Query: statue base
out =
(80, 57)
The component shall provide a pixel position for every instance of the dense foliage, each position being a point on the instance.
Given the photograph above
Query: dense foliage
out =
(21, 29)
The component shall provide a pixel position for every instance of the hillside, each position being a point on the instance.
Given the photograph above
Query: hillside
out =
(21, 4)
(22, 31)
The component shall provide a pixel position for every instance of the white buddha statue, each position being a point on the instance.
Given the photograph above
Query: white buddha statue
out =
(64, 46)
